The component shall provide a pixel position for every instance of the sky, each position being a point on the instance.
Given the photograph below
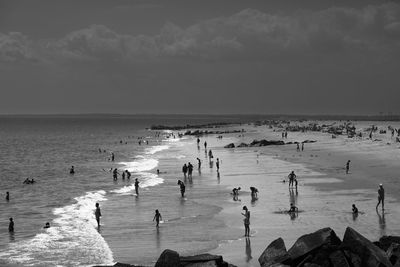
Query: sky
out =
(200, 57)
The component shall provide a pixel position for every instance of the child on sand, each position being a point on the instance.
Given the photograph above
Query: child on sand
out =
(157, 217)
(246, 221)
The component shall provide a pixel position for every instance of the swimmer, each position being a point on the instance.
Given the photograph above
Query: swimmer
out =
(47, 225)
(354, 209)
(72, 170)
(11, 225)
(157, 217)
(97, 214)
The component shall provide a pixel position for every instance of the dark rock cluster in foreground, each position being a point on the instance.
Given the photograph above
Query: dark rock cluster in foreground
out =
(324, 248)
(264, 142)
(319, 249)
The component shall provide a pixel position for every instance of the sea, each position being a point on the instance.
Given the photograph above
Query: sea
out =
(206, 219)
(45, 147)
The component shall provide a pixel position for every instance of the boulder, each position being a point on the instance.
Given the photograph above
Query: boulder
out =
(204, 260)
(338, 259)
(275, 253)
(393, 253)
(168, 258)
(310, 242)
(231, 145)
(370, 254)
(243, 145)
(385, 241)
(352, 258)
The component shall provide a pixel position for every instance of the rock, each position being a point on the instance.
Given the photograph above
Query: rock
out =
(338, 259)
(393, 253)
(386, 241)
(168, 258)
(275, 253)
(231, 145)
(309, 141)
(243, 145)
(370, 254)
(204, 260)
(309, 264)
(352, 258)
(264, 142)
(310, 242)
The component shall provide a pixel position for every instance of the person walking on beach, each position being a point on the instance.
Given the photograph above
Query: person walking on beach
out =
(97, 214)
(198, 142)
(302, 146)
(7, 196)
(210, 154)
(246, 221)
(217, 164)
(137, 186)
(190, 170)
(11, 226)
(157, 217)
(354, 209)
(205, 145)
(182, 186)
(298, 147)
(348, 166)
(184, 170)
(198, 163)
(381, 197)
(72, 170)
(291, 177)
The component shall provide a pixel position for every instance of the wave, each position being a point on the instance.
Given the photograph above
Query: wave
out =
(140, 165)
(72, 240)
(156, 149)
(145, 179)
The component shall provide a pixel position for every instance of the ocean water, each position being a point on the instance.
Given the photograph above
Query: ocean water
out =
(44, 148)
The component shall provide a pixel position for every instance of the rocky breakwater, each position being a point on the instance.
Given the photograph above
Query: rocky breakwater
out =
(324, 248)
(264, 142)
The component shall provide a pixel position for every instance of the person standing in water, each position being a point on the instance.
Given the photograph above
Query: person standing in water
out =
(381, 197)
(115, 174)
(302, 146)
(137, 186)
(190, 170)
(217, 164)
(112, 156)
(198, 163)
(246, 221)
(128, 174)
(291, 177)
(348, 166)
(182, 186)
(205, 145)
(11, 226)
(184, 170)
(72, 170)
(157, 217)
(8, 196)
(298, 147)
(97, 214)
(354, 209)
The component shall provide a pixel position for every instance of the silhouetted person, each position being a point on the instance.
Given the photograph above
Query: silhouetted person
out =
(217, 164)
(157, 217)
(47, 225)
(198, 163)
(293, 208)
(184, 170)
(205, 144)
(354, 209)
(381, 197)
(190, 170)
(302, 146)
(182, 186)
(128, 174)
(8, 196)
(291, 177)
(115, 174)
(254, 191)
(137, 186)
(112, 156)
(97, 214)
(298, 147)
(11, 225)
(246, 221)
(348, 166)
(72, 170)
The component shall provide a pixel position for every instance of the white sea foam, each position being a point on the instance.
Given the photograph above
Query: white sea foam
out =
(72, 240)
(156, 149)
(145, 180)
(140, 165)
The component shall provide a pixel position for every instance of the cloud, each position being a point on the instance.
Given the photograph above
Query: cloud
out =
(249, 34)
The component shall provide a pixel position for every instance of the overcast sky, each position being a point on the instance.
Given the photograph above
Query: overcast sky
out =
(205, 56)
